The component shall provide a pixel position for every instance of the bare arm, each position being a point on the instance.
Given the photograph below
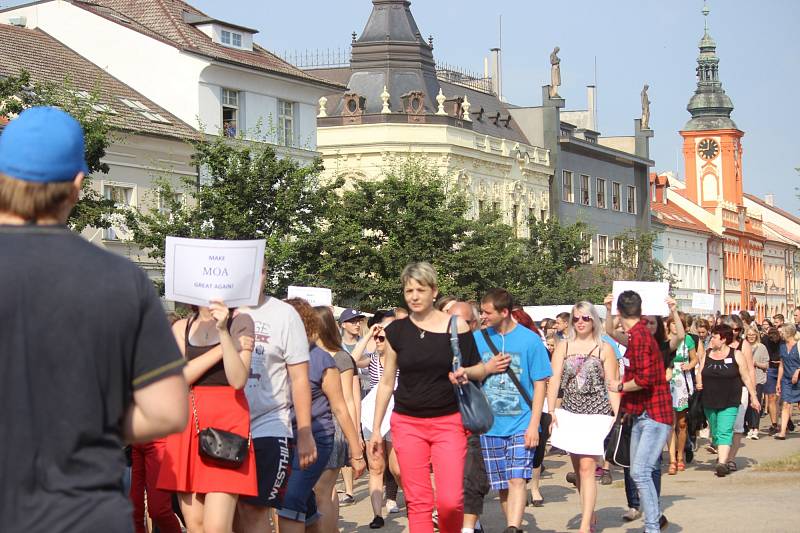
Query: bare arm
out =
(301, 398)
(744, 373)
(611, 371)
(346, 379)
(158, 409)
(611, 331)
(747, 352)
(332, 388)
(680, 332)
(235, 362)
(361, 346)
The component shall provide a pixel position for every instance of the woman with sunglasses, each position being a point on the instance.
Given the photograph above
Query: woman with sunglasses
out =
(740, 343)
(723, 372)
(582, 364)
(427, 430)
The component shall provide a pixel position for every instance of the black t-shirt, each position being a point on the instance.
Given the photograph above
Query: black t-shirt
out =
(423, 388)
(80, 329)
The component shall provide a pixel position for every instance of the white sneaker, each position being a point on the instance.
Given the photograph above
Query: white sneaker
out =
(631, 514)
(391, 506)
(755, 434)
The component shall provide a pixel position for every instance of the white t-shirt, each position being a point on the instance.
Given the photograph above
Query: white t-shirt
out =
(280, 340)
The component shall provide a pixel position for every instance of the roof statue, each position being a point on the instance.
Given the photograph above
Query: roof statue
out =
(645, 108)
(555, 72)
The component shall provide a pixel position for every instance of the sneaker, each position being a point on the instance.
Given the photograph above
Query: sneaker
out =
(772, 431)
(631, 514)
(721, 470)
(749, 435)
(755, 434)
(572, 478)
(377, 522)
(391, 506)
(663, 522)
(347, 499)
(605, 478)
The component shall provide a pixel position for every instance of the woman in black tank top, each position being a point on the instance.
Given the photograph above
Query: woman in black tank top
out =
(217, 345)
(723, 371)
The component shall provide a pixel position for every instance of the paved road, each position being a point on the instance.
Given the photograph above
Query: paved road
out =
(694, 500)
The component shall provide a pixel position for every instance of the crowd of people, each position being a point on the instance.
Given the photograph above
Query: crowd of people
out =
(243, 419)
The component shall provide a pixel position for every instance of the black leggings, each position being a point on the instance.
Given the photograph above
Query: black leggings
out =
(753, 416)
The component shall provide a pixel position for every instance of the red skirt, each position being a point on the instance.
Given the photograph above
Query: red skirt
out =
(185, 470)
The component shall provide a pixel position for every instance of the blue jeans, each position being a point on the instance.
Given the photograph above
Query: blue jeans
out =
(299, 503)
(631, 494)
(647, 442)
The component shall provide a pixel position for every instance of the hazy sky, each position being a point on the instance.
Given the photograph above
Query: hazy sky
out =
(632, 42)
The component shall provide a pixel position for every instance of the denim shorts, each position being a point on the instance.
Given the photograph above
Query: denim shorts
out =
(506, 458)
(299, 503)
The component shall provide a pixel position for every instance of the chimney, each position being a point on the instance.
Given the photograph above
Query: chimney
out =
(769, 199)
(591, 99)
(497, 73)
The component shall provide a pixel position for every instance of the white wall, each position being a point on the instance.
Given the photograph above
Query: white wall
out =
(157, 70)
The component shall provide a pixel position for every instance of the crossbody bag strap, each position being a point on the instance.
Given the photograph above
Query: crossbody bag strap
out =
(509, 370)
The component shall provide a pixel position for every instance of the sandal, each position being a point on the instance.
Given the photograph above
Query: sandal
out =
(673, 468)
(681, 466)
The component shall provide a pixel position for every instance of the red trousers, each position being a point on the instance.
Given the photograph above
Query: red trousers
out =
(420, 443)
(146, 462)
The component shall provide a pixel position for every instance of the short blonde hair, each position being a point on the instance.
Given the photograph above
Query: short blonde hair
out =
(788, 330)
(422, 272)
(29, 200)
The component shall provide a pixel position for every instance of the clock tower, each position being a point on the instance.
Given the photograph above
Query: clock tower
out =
(712, 146)
(712, 152)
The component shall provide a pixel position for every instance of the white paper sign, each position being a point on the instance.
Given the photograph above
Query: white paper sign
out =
(703, 301)
(199, 270)
(313, 295)
(368, 411)
(654, 296)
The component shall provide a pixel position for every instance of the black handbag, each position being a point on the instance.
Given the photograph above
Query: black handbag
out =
(544, 421)
(618, 450)
(224, 448)
(476, 413)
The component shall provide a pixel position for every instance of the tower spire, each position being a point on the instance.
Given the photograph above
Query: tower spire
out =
(710, 107)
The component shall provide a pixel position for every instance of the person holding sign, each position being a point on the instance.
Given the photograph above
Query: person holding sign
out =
(217, 346)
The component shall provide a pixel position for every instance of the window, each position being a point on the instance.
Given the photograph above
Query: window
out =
(601, 193)
(615, 196)
(164, 205)
(586, 254)
(122, 196)
(285, 123)
(230, 112)
(585, 199)
(531, 213)
(631, 199)
(566, 185)
(231, 38)
(145, 111)
(616, 248)
(543, 214)
(480, 206)
(602, 248)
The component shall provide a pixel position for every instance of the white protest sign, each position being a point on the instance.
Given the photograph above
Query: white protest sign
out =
(313, 295)
(199, 270)
(702, 301)
(654, 296)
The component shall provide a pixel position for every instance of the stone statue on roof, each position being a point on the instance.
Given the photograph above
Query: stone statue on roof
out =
(555, 72)
(645, 108)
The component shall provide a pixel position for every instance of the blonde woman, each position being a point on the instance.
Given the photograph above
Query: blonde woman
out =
(583, 364)
(788, 375)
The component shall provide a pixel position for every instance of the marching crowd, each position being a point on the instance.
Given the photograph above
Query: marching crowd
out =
(284, 398)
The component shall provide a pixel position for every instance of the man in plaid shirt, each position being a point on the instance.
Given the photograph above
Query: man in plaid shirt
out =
(645, 397)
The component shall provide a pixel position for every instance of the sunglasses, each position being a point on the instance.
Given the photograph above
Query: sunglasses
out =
(379, 337)
(585, 318)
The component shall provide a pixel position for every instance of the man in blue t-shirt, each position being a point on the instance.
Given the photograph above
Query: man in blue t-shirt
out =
(509, 445)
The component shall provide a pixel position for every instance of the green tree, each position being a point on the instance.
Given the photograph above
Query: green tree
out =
(553, 259)
(250, 193)
(408, 215)
(17, 93)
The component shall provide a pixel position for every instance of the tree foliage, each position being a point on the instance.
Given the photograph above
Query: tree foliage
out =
(18, 93)
(249, 193)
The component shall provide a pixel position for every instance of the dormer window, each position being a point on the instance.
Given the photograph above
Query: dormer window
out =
(231, 38)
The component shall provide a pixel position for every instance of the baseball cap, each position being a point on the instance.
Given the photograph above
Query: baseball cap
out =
(349, 314)
(42, 145)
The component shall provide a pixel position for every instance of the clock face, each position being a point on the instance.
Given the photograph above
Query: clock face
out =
(708, 149)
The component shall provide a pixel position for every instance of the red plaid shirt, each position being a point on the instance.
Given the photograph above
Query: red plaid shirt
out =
(646, 367)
